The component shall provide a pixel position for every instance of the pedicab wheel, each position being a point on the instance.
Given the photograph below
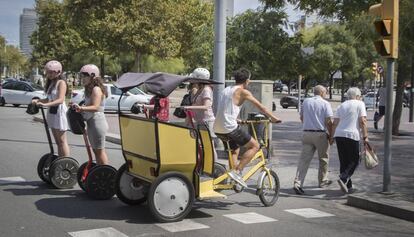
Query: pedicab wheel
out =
(171, 197)
(268, 195)
(63, 172)
(100, 183)
(80, 173)
(43, 167)
(129, 189)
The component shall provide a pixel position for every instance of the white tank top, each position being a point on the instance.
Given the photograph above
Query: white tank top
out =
(227, 112)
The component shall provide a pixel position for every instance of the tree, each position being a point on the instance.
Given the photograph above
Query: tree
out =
(54, 38)
(256, 40)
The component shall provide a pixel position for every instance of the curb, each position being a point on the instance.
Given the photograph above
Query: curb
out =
(380, 203)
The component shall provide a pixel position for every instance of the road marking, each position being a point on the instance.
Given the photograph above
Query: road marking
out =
(8, 180)
(103, 232)
(249, 218)
(183, 225)
(309, 213)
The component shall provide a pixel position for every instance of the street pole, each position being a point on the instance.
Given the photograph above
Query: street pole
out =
(299, 90)
(219, 57)
(388, 126)
(412, 91)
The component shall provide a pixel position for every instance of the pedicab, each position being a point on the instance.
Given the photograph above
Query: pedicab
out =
(170, 165)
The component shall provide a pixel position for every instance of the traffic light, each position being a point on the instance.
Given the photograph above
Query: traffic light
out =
(386, 25)
(374, 68)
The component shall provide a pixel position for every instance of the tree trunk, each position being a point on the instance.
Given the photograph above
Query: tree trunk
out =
(103, 66)
(411, 116)
(343, 87)
(396, 116)
(330, 84)
(137, 63)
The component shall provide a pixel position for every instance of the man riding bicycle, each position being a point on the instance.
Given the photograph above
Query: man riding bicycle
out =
(227, 128)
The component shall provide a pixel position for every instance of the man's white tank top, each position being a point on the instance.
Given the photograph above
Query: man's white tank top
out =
(227, 112)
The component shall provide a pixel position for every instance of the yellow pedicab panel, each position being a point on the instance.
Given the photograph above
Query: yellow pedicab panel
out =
(178, 149)
(139, 145)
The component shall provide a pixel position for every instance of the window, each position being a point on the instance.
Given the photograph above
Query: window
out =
(20, 87)
(9, 85)
(115, 91)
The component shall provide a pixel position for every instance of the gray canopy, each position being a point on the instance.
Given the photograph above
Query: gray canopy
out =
(160, 84)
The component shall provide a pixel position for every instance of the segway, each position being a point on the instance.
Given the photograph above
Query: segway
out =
(98, 181)
(61, 172)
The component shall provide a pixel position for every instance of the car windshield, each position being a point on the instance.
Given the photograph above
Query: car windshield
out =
(136, 91)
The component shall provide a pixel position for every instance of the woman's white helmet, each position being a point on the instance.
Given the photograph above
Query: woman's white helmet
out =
(53, 65)
(91, 69)
(200, 73)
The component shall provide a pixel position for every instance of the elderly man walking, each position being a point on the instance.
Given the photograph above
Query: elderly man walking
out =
(316, 116)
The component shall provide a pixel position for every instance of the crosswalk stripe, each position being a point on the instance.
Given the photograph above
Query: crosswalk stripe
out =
(309, 212)
(102, 232)
(249, 218)
(183, 225)
(8, 180)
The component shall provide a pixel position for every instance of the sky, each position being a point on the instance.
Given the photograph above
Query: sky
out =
(10, 11)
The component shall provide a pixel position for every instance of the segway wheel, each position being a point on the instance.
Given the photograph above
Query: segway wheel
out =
(268, 193)
(171, 197)
(43, 167)
(129, 189)
(63, 172)
(100, 183)
(82, 184)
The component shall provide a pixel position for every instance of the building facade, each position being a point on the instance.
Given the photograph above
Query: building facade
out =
(28, 24)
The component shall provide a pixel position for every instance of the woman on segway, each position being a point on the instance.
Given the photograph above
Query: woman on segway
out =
(93, 111)
(56, 89)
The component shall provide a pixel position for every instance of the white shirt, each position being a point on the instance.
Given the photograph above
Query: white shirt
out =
(349, 113)
(227, 112)
(314, 111)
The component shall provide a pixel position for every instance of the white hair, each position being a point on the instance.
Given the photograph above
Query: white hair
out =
(353, 93)
(319, 90)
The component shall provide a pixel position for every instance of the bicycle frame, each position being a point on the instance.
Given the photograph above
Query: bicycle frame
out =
(261, 165)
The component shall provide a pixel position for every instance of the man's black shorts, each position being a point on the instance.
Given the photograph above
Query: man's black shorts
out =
(381, 110)
(236, 138)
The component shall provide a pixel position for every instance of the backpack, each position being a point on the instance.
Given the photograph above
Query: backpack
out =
(186, 101)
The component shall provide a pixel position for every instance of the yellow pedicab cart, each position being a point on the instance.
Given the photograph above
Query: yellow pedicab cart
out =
(170, 165)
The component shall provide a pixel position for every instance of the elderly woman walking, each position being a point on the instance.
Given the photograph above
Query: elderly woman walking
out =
(350, 126)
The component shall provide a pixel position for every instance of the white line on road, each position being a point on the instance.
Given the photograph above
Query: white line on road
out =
(103, 232)
(183, 225)
(8, 180)
(249, 218)
(309, 213)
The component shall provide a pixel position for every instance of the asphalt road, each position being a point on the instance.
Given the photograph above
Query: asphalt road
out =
(29, 207)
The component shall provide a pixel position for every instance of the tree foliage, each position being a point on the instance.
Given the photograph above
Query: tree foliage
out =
(256, 40)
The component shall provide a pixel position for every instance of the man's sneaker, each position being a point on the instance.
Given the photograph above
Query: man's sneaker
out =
(298, 190)
(325, 183)
(376, 125)
(342, 185)
(237, 177)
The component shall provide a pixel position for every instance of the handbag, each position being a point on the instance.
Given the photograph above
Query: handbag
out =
(369, 156)
(186, 101)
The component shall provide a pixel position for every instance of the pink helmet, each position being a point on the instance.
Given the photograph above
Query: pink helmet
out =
(91, 69)
(53, 66)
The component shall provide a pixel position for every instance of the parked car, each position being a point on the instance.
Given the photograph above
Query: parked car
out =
(369, 100)
(133, 96)
(289, 101)
(20, 93)
(292, 100)
(278, 86)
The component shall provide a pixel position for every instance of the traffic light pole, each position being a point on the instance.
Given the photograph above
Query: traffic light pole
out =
(388, 126)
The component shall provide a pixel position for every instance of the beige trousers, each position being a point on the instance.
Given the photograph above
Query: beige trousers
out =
(311, 142)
